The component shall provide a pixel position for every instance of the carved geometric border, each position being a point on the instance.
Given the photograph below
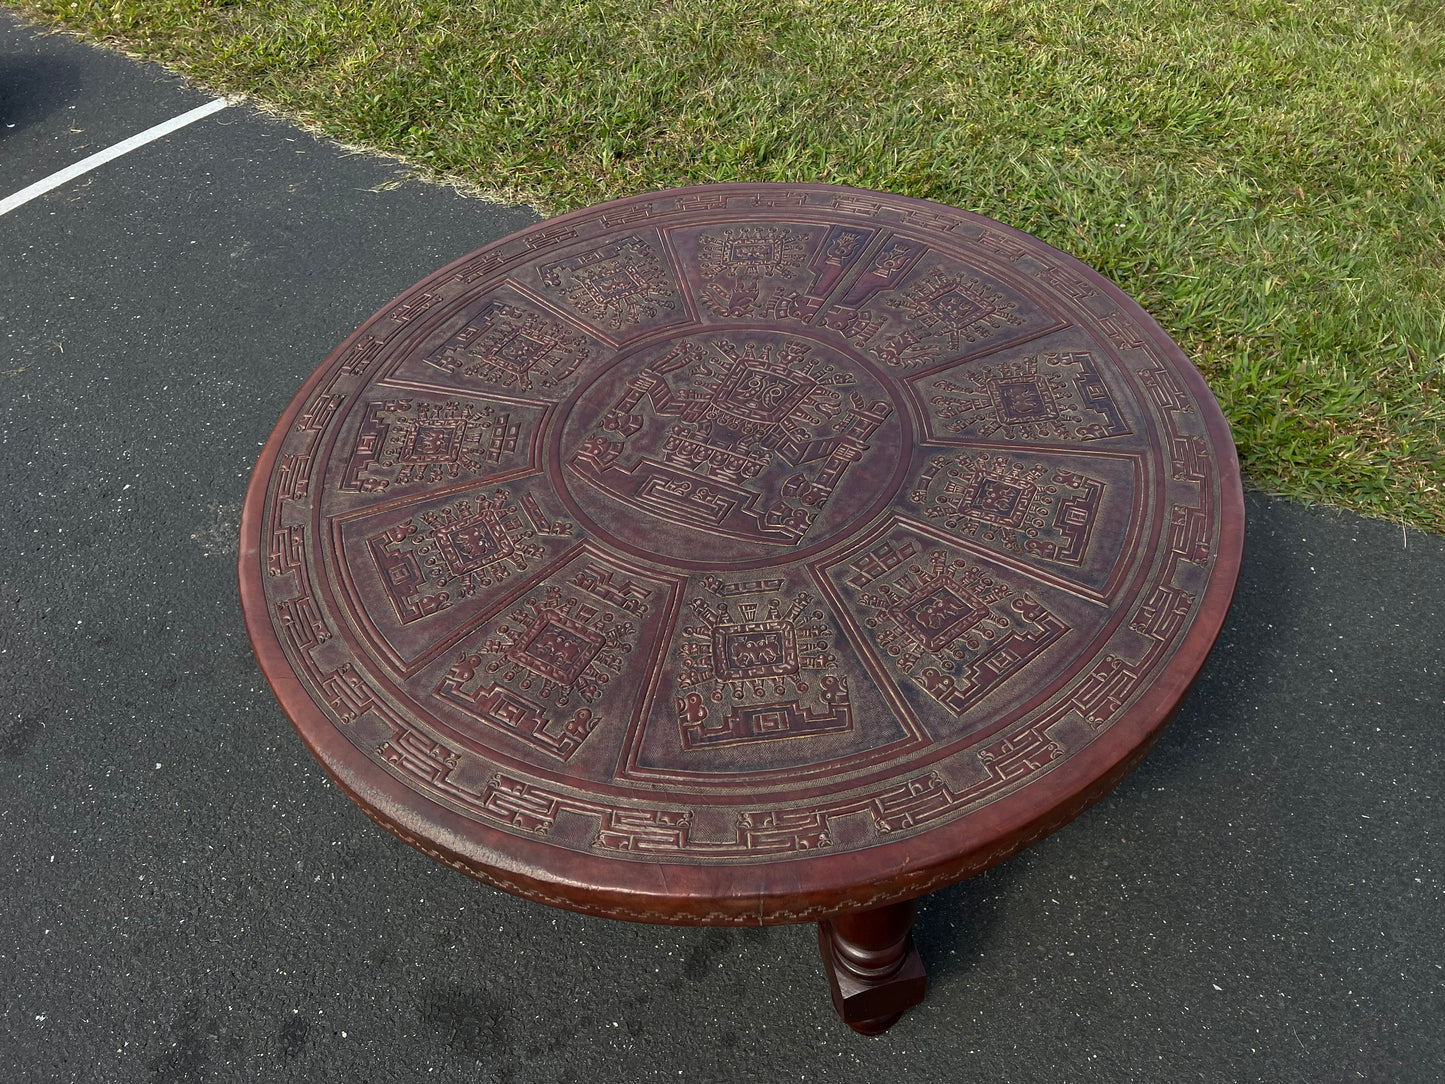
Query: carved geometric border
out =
(1156, 621)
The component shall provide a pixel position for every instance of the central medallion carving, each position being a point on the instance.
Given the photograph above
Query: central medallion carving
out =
(747, 439)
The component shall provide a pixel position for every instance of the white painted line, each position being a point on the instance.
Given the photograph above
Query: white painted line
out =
(125, 146)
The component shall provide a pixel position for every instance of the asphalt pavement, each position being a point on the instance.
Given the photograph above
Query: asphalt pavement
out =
(185, 897)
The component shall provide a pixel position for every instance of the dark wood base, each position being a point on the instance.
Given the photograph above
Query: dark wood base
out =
(873, 969)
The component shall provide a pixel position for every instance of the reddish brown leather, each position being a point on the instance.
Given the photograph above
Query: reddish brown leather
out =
(742, 554)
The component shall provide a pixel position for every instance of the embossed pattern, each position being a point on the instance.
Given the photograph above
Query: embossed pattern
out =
(727, 527)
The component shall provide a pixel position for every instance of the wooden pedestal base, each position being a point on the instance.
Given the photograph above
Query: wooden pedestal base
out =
(873, 969)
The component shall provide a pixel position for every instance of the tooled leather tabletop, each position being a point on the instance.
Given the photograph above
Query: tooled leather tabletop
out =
(738, 554)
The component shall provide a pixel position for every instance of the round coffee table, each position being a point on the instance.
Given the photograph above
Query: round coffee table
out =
(744, 554)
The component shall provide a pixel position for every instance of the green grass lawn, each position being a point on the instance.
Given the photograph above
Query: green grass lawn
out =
(1267, 178)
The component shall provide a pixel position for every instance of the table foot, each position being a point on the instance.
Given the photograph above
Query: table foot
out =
(874, 971)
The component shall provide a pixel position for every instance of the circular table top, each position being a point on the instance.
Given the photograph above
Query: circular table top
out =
(738, 554)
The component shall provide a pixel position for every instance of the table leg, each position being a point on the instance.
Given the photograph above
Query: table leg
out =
(873, 969)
